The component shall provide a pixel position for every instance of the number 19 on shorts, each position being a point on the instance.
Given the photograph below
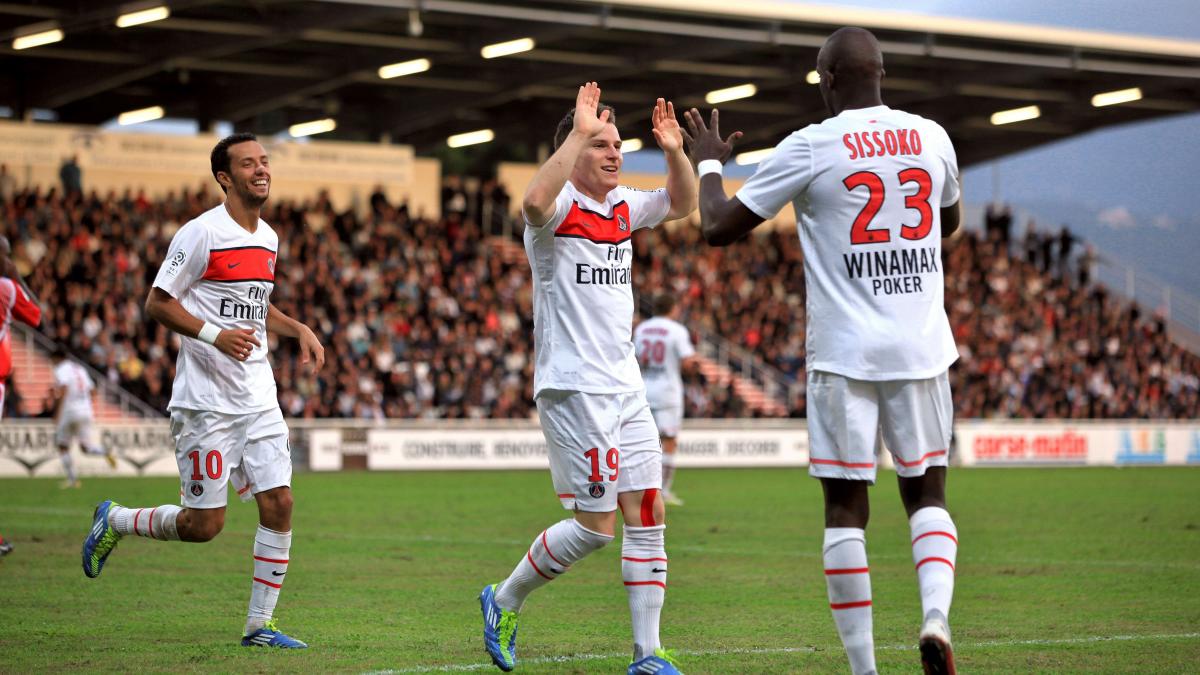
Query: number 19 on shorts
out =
(611, 458)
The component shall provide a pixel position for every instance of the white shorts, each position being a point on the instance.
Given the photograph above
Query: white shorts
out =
(214, 448)
(851, 421)
(75, 426)
(668, 419)
(599, 445)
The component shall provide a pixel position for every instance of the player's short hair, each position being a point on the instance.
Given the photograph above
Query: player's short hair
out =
(220, 153)
(663, 304)
(59, 353)
(567, 123)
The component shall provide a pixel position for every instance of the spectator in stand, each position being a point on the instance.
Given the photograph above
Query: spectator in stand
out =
(71, 176)
(398, 301)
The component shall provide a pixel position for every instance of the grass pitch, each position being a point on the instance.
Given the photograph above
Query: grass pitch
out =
(1060, 570)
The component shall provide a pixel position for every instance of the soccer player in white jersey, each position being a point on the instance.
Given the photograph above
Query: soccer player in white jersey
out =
(74, 418)
(664, 349)
(600, 435)
(874, 189)
(214, 290)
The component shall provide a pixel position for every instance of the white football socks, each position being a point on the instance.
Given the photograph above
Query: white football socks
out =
(271, 551)
(68, 463)
(551, 554)
(849, 583)
(668, 471)
(157, 522)
(644, 570)
(935, 550)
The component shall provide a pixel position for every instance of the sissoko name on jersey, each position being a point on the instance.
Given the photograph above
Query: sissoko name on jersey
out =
(581, 262)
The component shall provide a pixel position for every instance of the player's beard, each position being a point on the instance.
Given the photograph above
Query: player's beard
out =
(248, 196)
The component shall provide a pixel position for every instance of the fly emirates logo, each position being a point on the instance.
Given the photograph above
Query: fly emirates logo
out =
(616, 273)
(254, 308)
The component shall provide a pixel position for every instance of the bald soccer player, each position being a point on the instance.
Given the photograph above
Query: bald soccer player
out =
(875, 190)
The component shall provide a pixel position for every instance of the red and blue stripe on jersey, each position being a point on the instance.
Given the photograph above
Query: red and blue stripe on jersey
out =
(613, 229)
(240, 263)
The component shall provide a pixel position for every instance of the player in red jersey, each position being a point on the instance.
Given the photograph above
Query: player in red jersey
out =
(16, 302)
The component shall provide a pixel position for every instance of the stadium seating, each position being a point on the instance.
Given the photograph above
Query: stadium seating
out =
(432, 319)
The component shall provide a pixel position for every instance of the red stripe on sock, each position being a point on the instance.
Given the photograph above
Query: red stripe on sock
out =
(920, 459)
(135, 518)
(152, 521)
(644, 559)
(645, 583)
(547, 547)
(848, 570)
(264, 581)
(535, 567)
(849, 605)
(930, 534)
(941, 560)
(648, 507)
(848, 465)
(277, 561)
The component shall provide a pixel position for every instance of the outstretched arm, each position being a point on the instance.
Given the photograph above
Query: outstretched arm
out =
(310, 347)
(681, 181)
(552, 176)
(723, 220)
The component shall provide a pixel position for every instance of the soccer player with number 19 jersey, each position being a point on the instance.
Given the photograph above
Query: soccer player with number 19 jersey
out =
(600, 435)
(214, 290)
(874, 189)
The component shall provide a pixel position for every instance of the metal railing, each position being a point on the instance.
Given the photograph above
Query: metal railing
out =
(117, 396)
(741, 362)
(1180, 309)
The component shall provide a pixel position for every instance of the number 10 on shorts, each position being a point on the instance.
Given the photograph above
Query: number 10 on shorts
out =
(612, 457)
(213, 464)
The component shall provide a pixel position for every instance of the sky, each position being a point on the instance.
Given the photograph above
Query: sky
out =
(1130, 189)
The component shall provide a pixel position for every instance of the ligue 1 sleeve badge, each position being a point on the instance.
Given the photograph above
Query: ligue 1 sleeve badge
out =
(622, 224)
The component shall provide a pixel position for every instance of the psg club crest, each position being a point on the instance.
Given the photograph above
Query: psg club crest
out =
(622, 224)
(196, 489)
(596, 490)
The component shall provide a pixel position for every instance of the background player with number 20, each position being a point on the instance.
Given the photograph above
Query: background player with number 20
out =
(664, 349)
(214, 290)
(864, 184)
(600, 436)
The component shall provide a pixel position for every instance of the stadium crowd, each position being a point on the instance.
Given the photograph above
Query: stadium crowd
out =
(432, 319)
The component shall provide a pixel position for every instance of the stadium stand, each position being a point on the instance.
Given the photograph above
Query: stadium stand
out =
(431, 319)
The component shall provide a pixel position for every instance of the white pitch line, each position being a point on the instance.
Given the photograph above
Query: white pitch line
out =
(467, 667)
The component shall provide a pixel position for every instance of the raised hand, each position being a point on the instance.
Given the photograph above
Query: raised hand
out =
(705, 140)
(665, 127)
(586, 103)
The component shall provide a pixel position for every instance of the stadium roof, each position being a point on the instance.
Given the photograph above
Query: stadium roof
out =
(266, 64)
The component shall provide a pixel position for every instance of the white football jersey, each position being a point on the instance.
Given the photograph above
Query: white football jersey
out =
(662, 345)
(224, 275)
(867, 186)
(78, 397)
(583, 294)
